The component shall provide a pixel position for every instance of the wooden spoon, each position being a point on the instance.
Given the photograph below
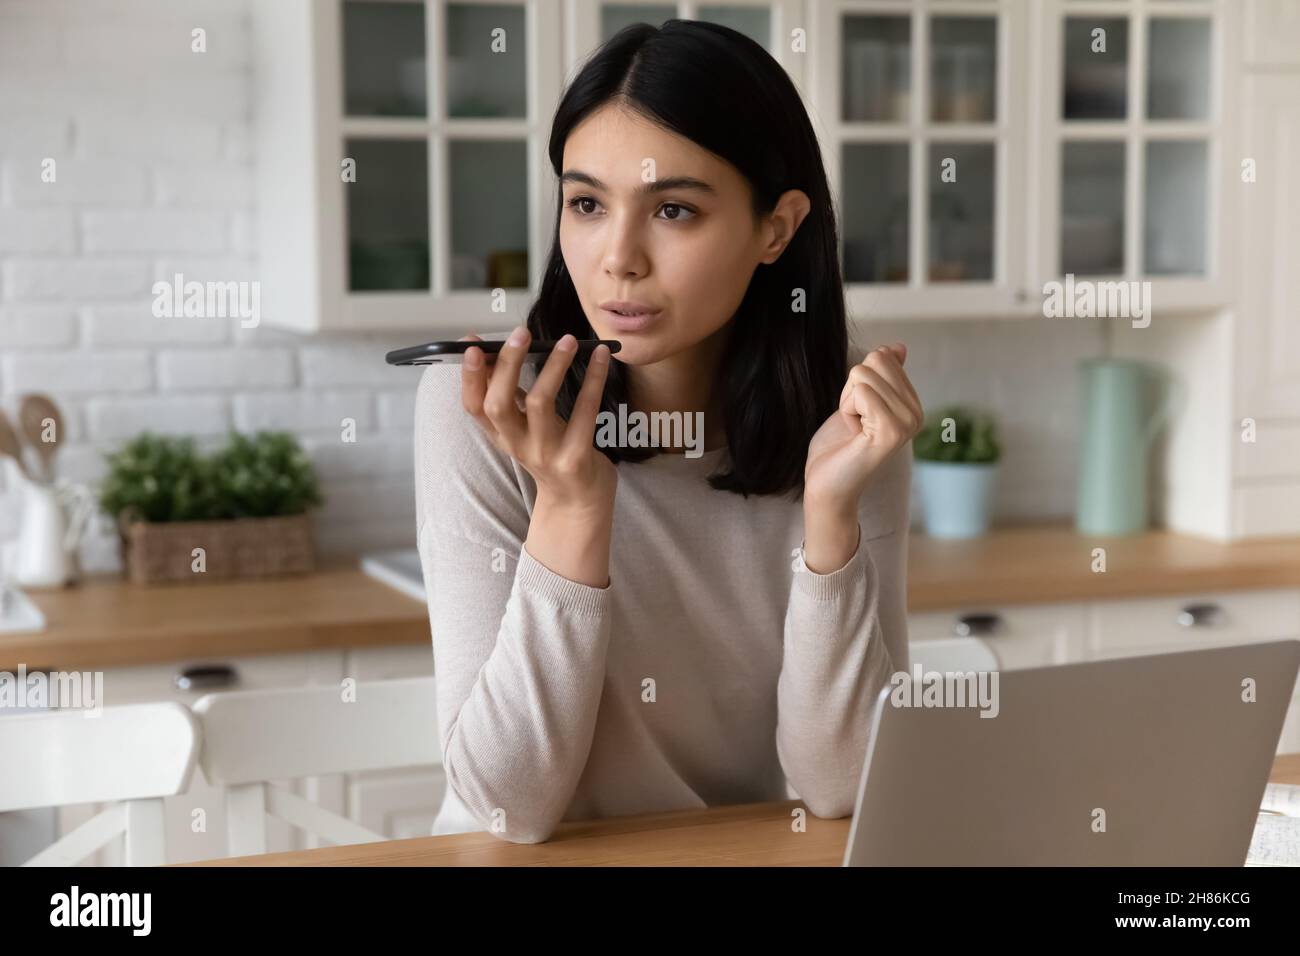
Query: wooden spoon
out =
(33, 413)
(9, 444)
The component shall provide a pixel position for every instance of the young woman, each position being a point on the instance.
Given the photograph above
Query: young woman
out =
(627, 629)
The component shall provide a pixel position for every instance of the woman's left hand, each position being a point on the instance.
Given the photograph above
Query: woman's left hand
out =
(879, 412)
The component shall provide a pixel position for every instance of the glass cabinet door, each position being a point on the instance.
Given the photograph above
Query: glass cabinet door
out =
(616, 16)
(766, 22)
(384, 65)
(440, 197)
(1132, 138)
(386, 207)
(924, 123)
(387, 213)
(754, 18)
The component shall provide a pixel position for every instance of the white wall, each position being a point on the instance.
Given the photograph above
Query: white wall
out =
(155, 165)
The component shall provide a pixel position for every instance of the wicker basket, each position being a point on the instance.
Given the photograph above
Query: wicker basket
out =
(157, 553)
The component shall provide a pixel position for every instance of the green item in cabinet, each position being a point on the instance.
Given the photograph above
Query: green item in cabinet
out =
(380, 266)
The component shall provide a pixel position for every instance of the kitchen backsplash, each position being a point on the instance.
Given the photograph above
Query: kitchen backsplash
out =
(155, 177)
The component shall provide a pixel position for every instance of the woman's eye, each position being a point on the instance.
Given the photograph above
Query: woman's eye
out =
(690, 214)
(576, 200)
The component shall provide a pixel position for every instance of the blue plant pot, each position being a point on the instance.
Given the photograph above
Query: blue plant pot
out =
(956, 496)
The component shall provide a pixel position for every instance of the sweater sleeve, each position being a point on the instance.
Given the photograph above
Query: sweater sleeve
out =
(519, 651)
(845, 635)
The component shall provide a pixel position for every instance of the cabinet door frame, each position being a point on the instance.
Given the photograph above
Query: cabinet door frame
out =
(1266, 387)
(440, 309)
(582, 28)
(1006, 294)
(1168, 294)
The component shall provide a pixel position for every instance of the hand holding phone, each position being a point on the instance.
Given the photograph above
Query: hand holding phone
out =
(573, 514)
(571, 474)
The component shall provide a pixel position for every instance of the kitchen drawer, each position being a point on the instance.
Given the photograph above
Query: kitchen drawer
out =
(1185, 622)
(1022, 636)
(154, 682)
(391, 663)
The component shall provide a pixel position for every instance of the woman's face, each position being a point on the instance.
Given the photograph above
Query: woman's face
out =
(650, 217)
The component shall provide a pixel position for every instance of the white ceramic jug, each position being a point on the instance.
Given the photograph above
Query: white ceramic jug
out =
(55, 518)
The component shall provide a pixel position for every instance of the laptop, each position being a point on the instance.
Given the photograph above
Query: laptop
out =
(1141, 761)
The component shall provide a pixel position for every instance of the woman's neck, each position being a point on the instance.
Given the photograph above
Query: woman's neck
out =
(684, 383)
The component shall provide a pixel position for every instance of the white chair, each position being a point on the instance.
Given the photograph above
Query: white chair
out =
(132, 755)
(253, 737)
(953, 654)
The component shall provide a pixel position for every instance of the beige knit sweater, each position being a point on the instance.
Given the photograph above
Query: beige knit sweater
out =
(708, 672)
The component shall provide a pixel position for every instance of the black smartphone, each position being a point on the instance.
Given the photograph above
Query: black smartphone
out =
(453, 353)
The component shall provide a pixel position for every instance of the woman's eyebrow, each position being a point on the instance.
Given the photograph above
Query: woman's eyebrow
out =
(658, 186)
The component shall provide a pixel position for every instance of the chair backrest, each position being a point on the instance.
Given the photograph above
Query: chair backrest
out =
(954, 654)
(251, 737)
(132, 755)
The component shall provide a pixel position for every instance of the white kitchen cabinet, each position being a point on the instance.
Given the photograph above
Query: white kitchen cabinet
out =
(1047, 634)
(767, 22)
(1185, 622)
(1272, 33)
(921, 108)
(445, 224)
(1266, 470)
(443, 107)
(1133, 147)
(1021, 635)
(1096, 155)
(1188, 622)
(389, 663)
(975, 149)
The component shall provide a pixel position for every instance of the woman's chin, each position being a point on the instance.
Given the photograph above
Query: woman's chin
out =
(636, 349)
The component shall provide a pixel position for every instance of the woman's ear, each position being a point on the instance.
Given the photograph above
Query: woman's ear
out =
(784, 221)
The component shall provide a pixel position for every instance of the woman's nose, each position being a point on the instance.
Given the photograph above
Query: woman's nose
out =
(624, 253)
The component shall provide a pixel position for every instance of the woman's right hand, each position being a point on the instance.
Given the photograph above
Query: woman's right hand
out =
(571, 474)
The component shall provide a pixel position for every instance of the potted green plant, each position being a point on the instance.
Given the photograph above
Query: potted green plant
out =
(241, 511)
(956, 456)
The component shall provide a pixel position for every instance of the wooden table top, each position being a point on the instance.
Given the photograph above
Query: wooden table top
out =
(107, 622)
(756, 834)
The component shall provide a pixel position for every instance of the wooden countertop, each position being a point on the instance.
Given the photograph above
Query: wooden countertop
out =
(108, 623)
(1046, 562)
(755, 834)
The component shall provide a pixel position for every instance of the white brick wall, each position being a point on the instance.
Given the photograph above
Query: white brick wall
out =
(225, 368)
(155, 163)
(76, 182)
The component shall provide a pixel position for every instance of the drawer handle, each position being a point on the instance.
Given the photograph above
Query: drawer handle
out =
(1200, 615)
(977, 625)
(206, 677)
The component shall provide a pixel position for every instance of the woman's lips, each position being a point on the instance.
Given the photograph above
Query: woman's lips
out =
(630, 323)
